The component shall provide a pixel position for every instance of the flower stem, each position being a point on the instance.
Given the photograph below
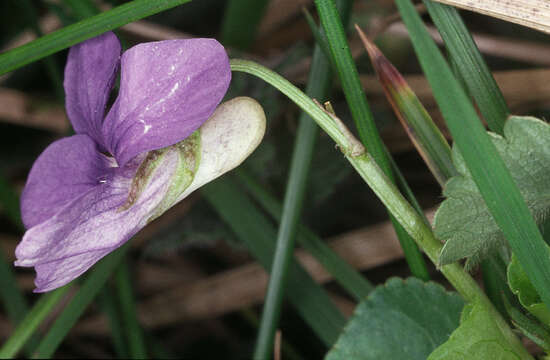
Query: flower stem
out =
(386, 191)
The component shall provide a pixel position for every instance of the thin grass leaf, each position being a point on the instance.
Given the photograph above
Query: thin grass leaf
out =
(108, 305)
(318, 87)
(368, 133)
(418, 124)
(83, 30)
(319, 36)
(258, 234)
(349, 278)
(32, 320)
(472, 68)
(240, 22)
(133, 331)
(488, 170)
(85, 295)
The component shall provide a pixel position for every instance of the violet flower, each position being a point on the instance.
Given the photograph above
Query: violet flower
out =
(87, 194)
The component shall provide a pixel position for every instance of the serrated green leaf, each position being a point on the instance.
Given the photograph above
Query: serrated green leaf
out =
(463, 220)
(477, 337)
(527, 294)
(394, 322)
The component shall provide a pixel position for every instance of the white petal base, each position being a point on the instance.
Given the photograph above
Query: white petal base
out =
(228, 137)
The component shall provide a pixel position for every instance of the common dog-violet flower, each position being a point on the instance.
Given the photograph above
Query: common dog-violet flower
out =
(87, 194)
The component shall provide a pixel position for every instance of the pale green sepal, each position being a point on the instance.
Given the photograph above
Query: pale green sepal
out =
(188, 154)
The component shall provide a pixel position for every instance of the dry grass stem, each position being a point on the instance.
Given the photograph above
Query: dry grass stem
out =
(532, 13)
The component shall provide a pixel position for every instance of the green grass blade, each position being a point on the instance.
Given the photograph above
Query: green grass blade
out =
(83, 30)
(85, 295)
(349, 278)
(488, 170)
(30, 323)
(136, 343)
(362, 116)
(241, 20)
(474, 71)
(109, 306)
(318, 86)
(258, 234)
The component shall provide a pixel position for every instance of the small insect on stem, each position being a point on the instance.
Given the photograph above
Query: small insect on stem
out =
(354, 147)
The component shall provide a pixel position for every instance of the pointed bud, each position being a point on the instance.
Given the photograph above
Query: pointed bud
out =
(414, 118)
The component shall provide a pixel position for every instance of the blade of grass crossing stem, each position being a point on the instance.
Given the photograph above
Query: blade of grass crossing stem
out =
(400, 179)
(85, 295)
(362, 116)
(350, 279)
(83, 30)
(32, 320)
(109, 306)
(258, 234)
(240, 22)
(418, 124)
(134, 334)
(318, 86)
(488, 170)
(478, 78)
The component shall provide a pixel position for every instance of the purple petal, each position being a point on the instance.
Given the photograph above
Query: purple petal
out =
(91, 226)
(167, 90)
(89, 75)
(67, 169)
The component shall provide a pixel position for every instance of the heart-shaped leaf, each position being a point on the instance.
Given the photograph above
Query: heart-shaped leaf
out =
(399, 320)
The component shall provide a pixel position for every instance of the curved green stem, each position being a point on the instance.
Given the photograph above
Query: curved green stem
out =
(386, 191)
